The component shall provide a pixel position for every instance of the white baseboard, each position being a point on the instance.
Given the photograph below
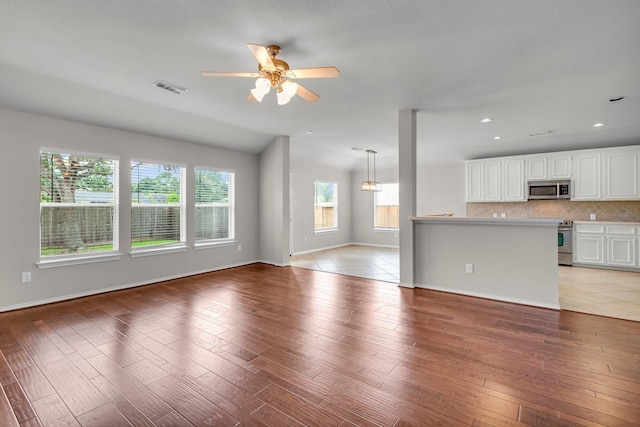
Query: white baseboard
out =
(491, 297)
(286, 264)
(116, 288)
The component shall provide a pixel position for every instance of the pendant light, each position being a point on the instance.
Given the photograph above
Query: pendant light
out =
(369, 185)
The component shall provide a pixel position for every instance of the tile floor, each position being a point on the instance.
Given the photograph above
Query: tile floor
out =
(372, 262)
(602, 292)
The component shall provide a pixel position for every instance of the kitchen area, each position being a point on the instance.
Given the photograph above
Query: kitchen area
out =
(595, 194)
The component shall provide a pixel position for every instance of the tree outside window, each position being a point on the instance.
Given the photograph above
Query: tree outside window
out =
(157, 204)
(325, 206)
(78, 195)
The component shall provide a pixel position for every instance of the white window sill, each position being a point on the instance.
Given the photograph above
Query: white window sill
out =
(76, 260)
(328, 230)
(214, 244)
(387, 229)
(158, 250)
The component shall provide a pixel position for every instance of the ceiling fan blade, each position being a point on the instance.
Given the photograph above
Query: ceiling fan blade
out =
(261, 54)
(306, 94)
(312, 73)
(215, 74)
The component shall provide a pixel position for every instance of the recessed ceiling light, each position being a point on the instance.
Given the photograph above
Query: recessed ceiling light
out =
(486, 120)
(497, 137)
(309, 132)
(620, 98)
(598, 125)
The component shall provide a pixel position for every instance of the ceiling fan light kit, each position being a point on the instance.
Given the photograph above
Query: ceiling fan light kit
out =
(275, 73)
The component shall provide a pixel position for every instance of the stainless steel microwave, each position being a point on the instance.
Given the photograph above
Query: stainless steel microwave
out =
(549, 190)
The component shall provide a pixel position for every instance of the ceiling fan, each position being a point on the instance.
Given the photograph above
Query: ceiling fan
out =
(275, 73)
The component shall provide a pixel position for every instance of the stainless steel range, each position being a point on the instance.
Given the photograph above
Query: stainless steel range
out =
(565, 243)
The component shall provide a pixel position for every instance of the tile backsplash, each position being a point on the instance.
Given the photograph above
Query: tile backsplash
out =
(563, 209)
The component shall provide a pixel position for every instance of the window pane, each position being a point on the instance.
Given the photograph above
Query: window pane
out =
(77, 199)
(387, 206)
(157, 205)
(325, 206)
(214, 200)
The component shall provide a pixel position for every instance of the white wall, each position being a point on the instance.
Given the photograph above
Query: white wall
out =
(274, 203)
(363, 211)
(440, 189)
(304, 239)
(22, 137)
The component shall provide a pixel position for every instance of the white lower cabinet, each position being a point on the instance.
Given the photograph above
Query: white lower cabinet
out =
(589, 249)
(621, 251)
(607, 244)
(621, 245)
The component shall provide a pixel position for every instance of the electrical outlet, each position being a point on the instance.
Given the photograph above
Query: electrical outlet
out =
(239, 248)
(306, 238)
(469, 268)
(495, 215)
(26, 277)
(503, 215)
(592, 217)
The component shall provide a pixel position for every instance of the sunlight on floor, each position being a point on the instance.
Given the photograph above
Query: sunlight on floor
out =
(371, 262)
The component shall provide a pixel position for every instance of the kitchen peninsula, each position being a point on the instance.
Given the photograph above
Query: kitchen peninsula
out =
(506, 259)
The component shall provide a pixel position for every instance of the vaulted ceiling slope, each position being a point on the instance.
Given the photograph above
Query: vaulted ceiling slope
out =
(542, 67)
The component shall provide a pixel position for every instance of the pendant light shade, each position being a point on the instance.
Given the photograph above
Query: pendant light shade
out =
(369, 185)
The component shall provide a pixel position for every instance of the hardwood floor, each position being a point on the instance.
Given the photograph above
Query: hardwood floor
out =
(263, 345)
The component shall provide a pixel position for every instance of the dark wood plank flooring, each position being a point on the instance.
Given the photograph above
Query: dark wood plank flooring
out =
(263, 345)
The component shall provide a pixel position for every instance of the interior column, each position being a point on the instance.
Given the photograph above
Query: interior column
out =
(407, 179)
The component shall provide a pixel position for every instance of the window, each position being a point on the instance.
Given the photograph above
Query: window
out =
(325, 206)
(157, 205)
(387, 207)
(78, 197)
(214, 200)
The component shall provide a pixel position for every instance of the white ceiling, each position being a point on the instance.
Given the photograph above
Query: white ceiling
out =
(533, 66)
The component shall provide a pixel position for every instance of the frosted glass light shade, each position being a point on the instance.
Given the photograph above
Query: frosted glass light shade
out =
(289, 88)
(262, 88)
(283, 98)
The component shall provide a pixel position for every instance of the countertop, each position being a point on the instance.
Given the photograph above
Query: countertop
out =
(607, 222)
(544, 222)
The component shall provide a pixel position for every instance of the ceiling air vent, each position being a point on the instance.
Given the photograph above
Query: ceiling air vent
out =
(170, 87)
(546, 132)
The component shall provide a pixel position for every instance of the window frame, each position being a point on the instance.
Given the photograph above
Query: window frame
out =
(181, 245)
(231, 224)
(49, 261)
(375, 207)
(335, 227)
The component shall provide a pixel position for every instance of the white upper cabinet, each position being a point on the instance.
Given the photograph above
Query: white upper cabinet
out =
(495, 180)
(513, 187)
(621, 180)
(586, 175)
(474, 181)
(600, 174)
(548, 167)
(492, 181)
(537, 168)
(560, 166)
